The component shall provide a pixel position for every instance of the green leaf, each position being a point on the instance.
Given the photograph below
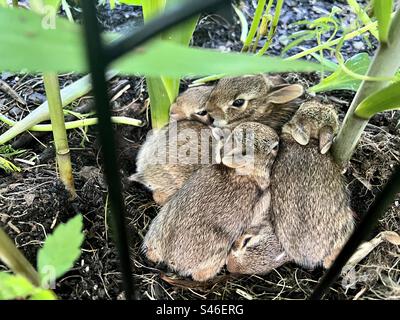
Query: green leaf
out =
(40, 5)
(8, 166)
(132, 2)
(26, 27)
(383, 11)
(64, 52)
(160, 101)
(386, 99)
(340, 80)
(43, 294)
(14, 287)
(60, 250)
(180, 34)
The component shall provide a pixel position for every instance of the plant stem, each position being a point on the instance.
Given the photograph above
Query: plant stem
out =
(75, 124)
(272, 29)
(15, 3)
(59, 133)
(362, 15)
(15, 260)
(204, 80)
(254, 25)
(385, 63)
(68, 94)
(331, 43)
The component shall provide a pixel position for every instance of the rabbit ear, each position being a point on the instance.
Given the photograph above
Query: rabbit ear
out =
(301, 132)
(235, 159)
(285, 93)
(325, 139)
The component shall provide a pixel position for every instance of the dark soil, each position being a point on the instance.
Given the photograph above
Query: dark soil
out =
(34, 201)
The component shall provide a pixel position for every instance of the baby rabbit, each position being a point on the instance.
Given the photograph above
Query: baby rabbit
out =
(310, 206)
(258, 98)
(194, 231)
(169, 156)
(190, 105)
(257, 251)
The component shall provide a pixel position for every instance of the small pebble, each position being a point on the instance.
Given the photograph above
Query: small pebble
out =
(358, 45)
(36, 98)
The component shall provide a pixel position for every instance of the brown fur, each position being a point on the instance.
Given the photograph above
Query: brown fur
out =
(257, 251)
(162, 171)
(310, 205)
(194, 231)
(190, 105)
(266, 101)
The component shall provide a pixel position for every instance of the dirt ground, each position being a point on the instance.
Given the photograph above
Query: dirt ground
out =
(34, 201)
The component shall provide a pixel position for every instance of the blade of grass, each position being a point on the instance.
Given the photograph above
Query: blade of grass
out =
(243, 23)
(254, 25)
(383, 11)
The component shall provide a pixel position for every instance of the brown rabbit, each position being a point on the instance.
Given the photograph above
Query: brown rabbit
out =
(169, 156)
(310, 206)
(257, 251)
(258, 98)
(190, 105)
(194, 231)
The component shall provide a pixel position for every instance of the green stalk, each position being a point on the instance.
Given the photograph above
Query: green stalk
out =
(254, 24)
(68, 94)
(76, 124)
(204, 80)
(15, 3)
(362, 15)
(15, 260)
(332, 43)
(163, 90)
(59, 133)
(273, 27)
(384, 64)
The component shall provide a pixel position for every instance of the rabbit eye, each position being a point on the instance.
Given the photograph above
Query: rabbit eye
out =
(202, 113)
(246, 241)
(238, 103)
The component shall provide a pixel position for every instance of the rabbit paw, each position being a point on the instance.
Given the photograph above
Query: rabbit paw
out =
(153, 255)
(160, 197)
(317, 121)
